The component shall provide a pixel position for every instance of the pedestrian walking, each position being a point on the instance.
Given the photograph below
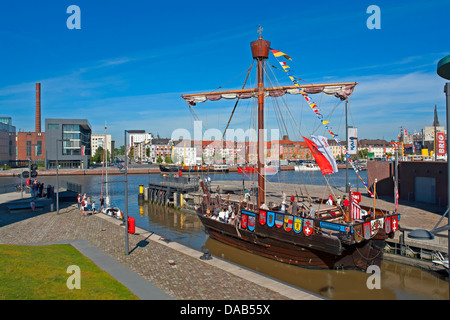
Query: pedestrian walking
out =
(102, 202)
(79, 201)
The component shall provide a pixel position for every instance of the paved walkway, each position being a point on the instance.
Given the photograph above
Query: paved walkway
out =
(160, 270)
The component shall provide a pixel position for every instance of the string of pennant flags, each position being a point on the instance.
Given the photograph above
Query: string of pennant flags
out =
(277, 54)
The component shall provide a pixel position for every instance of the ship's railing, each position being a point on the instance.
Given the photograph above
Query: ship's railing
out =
(349, 232)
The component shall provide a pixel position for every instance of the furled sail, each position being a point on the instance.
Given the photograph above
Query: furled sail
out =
(339, 90)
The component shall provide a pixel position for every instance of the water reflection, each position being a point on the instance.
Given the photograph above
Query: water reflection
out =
(397, 281)
(175, 225)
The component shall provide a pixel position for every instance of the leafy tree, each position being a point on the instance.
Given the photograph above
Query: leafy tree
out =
(119, 151)
(98, 156)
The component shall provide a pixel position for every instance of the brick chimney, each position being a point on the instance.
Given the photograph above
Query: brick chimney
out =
(38, 107)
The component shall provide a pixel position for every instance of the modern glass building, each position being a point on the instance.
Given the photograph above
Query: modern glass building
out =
(7, 141)
(69, 142)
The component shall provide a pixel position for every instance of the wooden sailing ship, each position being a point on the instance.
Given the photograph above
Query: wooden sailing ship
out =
(330, 239)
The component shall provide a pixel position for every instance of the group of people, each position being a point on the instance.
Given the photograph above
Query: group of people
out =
(85, 204)
(37, 188)
(225, 214)
(309, 212)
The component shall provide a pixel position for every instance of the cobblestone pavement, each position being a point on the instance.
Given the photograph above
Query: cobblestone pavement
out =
(190, 279)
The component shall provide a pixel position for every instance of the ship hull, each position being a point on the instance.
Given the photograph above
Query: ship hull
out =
(168, 168)
(174, 168)
(319, 251)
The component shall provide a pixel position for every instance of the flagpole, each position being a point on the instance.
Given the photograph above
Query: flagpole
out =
(374, 197)
(347, 189)
(396, 180)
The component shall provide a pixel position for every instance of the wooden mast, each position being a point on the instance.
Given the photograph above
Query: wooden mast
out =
(260, 50)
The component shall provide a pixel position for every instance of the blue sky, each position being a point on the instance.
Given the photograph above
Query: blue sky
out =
(131, 60)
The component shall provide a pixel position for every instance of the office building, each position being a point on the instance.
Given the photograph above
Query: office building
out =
(75, 150)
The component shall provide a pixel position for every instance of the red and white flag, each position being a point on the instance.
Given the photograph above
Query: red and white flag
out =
(322, 154)
(355, 209)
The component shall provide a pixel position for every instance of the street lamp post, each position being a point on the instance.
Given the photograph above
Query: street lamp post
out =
(57, 177)
(126, 187)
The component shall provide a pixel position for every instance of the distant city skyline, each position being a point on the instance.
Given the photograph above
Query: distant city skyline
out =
(130, 62)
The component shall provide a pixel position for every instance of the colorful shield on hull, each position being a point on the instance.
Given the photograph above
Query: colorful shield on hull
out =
(358, 230)
(394, 223)
(376, 224)
(262, 217)
(308, 227)
(288, 222)
(251, 222)
(387, 225)
(297, 224)
(270, 218)
(366, 230)
(279, 219)
(244, 219)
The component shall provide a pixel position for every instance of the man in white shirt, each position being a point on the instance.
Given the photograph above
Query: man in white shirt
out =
(222, 215)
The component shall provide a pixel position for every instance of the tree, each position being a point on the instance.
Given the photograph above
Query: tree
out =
(98, 156)
(159, 160)
(363, 153)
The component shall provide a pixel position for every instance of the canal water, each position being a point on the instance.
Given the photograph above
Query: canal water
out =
(398, 281)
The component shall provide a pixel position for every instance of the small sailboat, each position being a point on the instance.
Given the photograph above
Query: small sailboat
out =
(108, 209)
(307, 166)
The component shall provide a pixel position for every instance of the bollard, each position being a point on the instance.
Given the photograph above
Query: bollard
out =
(141, 193)
(146, 194)
(175, 199)
(131, 225)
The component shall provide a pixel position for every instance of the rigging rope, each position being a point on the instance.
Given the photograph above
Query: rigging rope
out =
(324, 122)
(237, 101)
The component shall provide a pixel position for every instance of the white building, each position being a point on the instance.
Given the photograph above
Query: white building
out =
(100, 140)
(160, 148)
(378, 147)
(428, 133)
(187, 153)
(134, 138)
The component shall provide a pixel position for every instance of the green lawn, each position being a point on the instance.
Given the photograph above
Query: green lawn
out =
(40, 272)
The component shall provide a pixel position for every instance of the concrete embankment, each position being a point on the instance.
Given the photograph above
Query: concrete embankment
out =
(173, 270)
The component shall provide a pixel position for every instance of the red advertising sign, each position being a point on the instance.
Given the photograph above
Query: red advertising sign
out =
(441, 149)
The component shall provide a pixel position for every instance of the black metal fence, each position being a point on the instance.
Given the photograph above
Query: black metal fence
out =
(74, 187)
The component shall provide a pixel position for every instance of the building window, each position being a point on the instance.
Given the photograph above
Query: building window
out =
(39, 148)
(53, 126)
(28, 148)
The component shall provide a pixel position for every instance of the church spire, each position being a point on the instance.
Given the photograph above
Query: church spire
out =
(436, 121)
